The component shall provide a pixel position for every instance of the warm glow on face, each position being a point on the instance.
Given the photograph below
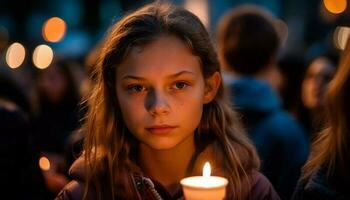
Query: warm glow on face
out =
(206, 170)
(42, 56)
(54, 29)
(44, 163)
(161, 94)
(335, 6)
(15, 55)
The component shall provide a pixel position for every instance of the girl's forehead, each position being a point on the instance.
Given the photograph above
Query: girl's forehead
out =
(163, 56)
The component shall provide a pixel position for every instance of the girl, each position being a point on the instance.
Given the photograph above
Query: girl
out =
(158, 112)
(326, 173)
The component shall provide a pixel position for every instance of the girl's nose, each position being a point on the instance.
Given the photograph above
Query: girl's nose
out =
(157, 103)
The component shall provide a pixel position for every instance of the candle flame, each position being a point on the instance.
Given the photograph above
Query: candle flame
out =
(206, 169)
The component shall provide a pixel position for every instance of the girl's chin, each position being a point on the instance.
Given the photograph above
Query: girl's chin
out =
(160, 145)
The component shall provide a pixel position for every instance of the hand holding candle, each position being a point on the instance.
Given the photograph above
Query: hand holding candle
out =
(204, 187)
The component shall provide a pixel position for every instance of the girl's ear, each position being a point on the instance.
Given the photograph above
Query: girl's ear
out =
(212, 85)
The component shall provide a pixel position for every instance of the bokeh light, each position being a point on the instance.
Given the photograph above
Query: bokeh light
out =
(15, 55)
(54, 29)
(335, 6)
(340, 36)
(44, 163)
(42, 56)
(200, 8)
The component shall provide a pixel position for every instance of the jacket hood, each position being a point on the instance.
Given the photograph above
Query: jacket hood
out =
(248, 93)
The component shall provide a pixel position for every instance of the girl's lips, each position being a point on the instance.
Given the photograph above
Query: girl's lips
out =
(160, 130)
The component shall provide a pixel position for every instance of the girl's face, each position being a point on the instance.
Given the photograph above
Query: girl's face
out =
(161, 92)
(317, 77)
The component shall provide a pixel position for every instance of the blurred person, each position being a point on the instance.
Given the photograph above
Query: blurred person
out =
(13, 92)
(326, 174)
(292, 68)
(248, 44)
(20, 174)
(55, 102)
(55, 116)
(317, 76)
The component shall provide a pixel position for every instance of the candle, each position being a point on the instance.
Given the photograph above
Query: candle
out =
(204, 187)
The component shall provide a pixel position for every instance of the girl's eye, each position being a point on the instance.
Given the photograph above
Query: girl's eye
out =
(180, 85)
(136, 88)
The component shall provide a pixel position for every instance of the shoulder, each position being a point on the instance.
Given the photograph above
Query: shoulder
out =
(261, 188)
(74, 190)
(319, 186)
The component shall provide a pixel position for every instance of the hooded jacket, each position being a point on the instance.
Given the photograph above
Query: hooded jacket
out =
(321, 187)
(279, 139)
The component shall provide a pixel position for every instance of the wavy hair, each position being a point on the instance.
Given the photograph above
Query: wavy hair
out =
(109, 146)
(331, 148)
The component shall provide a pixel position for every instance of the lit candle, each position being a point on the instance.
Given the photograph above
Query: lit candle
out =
(204, 187)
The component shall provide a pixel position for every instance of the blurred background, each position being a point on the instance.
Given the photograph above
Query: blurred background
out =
(48, 48)
(71, 28)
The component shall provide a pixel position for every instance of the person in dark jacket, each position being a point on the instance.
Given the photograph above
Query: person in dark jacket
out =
(326, 174)
(248, 44)
(157, 113)
(55, 106)
(55, 116)
(20, 175)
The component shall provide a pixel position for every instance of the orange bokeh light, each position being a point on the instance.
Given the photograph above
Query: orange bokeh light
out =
(335, 6)
(54, 29)
(44, 163)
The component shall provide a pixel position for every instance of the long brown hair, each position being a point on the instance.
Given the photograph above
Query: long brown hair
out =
(109, 146)
(331, 148)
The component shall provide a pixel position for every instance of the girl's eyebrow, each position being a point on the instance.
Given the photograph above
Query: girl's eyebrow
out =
(169, 76)
(181, 73)
(132, 77)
